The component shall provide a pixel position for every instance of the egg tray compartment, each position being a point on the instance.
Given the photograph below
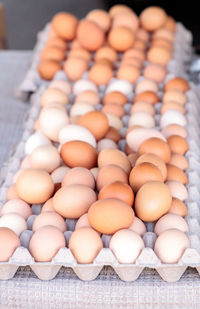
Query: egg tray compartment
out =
(33, 81)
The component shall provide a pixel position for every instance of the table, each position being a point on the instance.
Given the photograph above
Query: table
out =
(66, 291)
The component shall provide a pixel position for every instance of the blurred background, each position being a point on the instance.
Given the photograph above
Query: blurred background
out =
(24, 18)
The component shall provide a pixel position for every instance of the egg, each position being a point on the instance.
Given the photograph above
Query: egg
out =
(25, 163)
(45, 157)
(155, 72)
(174, 129)
(153, 18)
(13, 221)
(109, 174)
(79, 175)
(121, 38)
(114, 121)
(177, 144)
(172, 117)
(117, 190)
(178, 190)
(156, 146)
(106, 52)
(74, 67)
(65, 25)
(78, 109)
(62, 85)
(120, 85)
(80, 53)
(81, 239)
(126, 245)
(128, 72)
(74, 132)
(70, 153)
(175, 173)
(141, 106)
(178, 207)
(88, 96)
(100, 74)
(115, 97)
(52, 53)
(114, 109)
(75, 44)
(164, 33)
(34, 140)
(114, 156)
(179, 161)
(96, 38)
(170, 24)
(134, 53)
(152, 201)
(160, 42)
(48, 68)
(132, 158)
(101, 18)
(172, 106)
(73, 200)
(139, 44)
(142, 119)
(9, 242)
(106, 143)
(127, 20)
(48, 206)
(147, 96)
(159, 55)
(83, 85)
(57, 42)
(142, 35)
(12, 193)
(132, 61)
(58, 174)
(113, 134)
(43, 250)
(82, 222)
(138, 227)
(17, 206)
(49, 218)
(107, 216)
(146, 85)
(177, 83)
(52, 120)
(170, 246)
(94, 171)
(119, 9)
(170, 221)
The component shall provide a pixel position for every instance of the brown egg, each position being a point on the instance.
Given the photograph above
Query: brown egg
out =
(162, 43)
(159, 55)
(174, 129)
(139, 44)
(88, 96)
(48, 206)
(100, 74)
(106, 52)
(177, 83)
(52, 95)
(143, 173)
(101, 18)
(115, 109)
(79, 176)
(96, 122)
(121, 38)
(74, 67)
(164, 33)
(128, 20)
(175, 173)
(147, 96)
(128, 150)
(114, 156)
(117, 190)
(155, 72)
(170, 24)
(132, 61)
(107, 216)
(17, 206)
(52, 34)
(113, 134)
(43, 250)
(174, 96)
(115, 97)
(128, 72)
(142, 35)
(177, 144)
(178, 208)
(9, 242)
(132, 158)
(65, 25)
(153, 18)
(109, 174)
(70, 153)
(52, 53)
(34, 186)
(142, 107)
(134, 53)
(153, 200)
(119, 9)
(82, 238)
(57, 42)
(96, 38)
(75, 44)
(179, 161)
(80, 53)
(154, 159)
(48, 68)
(105, 62)
(12, 193)
(156, 146)
(49, 218)
(172, 106)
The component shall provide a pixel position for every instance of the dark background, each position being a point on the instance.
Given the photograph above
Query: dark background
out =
(24, 18)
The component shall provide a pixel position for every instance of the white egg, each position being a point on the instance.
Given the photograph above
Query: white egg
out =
(171, 221)
(138, 226)
(62, 85)
(35, 140)
(106, 143)
(84, 85)
(120, 85)
(58, 174)
(74, 132)
(177, 189)
(142, 119)
(13, 221)
(172, 117)
(114, 121)
(80, 108)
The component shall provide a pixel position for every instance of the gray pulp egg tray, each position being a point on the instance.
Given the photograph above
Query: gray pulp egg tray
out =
(147, 258)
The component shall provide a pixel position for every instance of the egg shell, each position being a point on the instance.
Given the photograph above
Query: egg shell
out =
(156, 146)
(49, 218)
(152, 201)
(74, 67)
(138, 227)
(17, 206)
(81, 239)
(106, 143)
(58, 174)
(53, 95)
(73, 201)
(114, 109)
(153, 18)
(75, 132)
(109, 174)
(155, 72)
(178, 207)
(175, 173)
(62, 85)
(35, 140)
(167, 241)
(13, 221)
(177, 189)
(115, 97)
(171, 221)
(114, 121)
(9, 241)
(142, 107)
(146, 85)
(177, 144)
(114, 156)
(174, 129)
(117, 190)
(88, 96)
(34, 186)
(48, 68)
(107, 216)
(129, 20)
(106, 52)
(119, 9)
(179, 161)
(43, 250)
(147, 96)
(113, 134)
(79, 175)
(174, 96)
(172, 106)
(141, 119)
(101, 18)
(159, 55)
(172, 117)
(65, 24)
(177, 83)
(121, 38)
(100, 74)
(96, 38)
(128, 72)
(80, 53)
(126, 246)
(70, 153)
